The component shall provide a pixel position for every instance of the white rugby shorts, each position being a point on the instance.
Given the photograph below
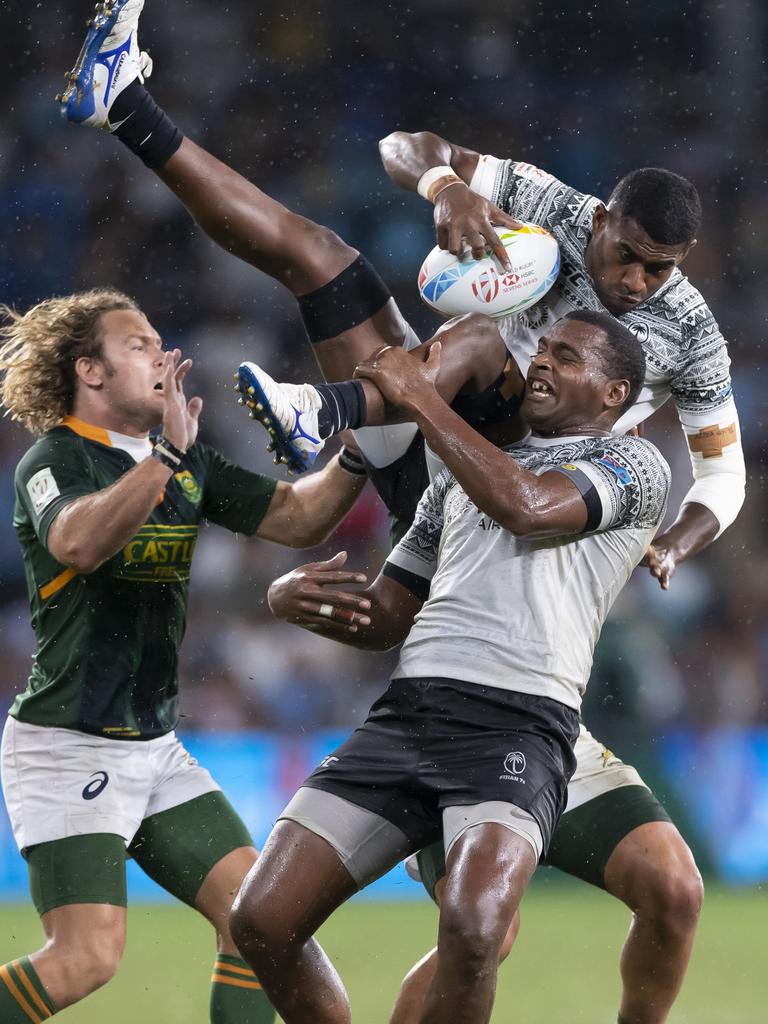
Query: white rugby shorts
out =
(59, 783)
(598, 771)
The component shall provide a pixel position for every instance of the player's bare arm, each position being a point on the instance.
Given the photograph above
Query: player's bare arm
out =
(441, 171)
(375, 619)
(694, 529)
(306, 512)
(90, 530)
(515, 498)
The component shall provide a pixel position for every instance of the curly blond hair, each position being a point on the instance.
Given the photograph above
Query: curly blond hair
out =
(39, 349)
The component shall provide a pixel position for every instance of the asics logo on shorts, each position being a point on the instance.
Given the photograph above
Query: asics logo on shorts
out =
(98, 784)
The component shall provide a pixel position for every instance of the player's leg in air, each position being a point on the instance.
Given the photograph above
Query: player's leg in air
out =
(347, 309)
(182, 832)
(615, 835)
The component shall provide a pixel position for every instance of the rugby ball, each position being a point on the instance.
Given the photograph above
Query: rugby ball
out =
(454, 285)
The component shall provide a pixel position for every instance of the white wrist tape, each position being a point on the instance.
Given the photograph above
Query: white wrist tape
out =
(428, 179)
(488, 176)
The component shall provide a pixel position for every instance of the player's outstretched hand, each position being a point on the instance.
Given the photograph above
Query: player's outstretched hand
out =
(465, 219)
(304, 597)
(405, 379)
(661, 560)
(180, 417)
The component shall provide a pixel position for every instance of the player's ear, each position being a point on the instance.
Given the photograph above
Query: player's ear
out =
(90, 372)
(686, 250)
(599, 219)
(616, 393)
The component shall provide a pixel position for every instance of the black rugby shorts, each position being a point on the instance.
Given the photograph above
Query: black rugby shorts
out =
(428, 744)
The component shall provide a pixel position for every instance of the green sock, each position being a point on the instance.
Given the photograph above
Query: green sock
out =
(22, 995)
(236, 995)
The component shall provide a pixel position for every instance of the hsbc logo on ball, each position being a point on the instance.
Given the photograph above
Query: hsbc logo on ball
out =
(488, 284)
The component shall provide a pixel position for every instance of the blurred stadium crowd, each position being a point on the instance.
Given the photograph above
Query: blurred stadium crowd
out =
(296, 98)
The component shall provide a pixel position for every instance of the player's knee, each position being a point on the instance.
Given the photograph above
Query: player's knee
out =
(319, 251)
(474, 332)
(326, 242)
(473, 350)
(473, 938)
(243, 927)
(481, 327)
(256, 931)
(89, 965)
(509, 938)
(673, 896)
(678, 899)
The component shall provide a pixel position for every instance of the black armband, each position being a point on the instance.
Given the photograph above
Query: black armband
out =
(588, 492)
(352, 463)
(418, 585)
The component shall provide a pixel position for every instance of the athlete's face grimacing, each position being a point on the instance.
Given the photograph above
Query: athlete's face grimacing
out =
(567, 390)
(128, 375)
(624, 262)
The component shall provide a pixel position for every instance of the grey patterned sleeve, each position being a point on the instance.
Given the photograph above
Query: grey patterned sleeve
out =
(413, 562)
(703, 384)
(630, 484)
(526, 192)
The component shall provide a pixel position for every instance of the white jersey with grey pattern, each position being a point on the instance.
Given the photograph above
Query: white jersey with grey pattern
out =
(519, 613)
(686, 355)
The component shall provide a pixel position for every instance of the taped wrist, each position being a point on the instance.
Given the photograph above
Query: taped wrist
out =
(165, 451)
(436, 180)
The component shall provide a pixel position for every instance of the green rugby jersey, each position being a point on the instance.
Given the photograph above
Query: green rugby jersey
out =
(108, 641)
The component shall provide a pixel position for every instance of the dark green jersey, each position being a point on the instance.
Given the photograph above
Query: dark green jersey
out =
(108, 642)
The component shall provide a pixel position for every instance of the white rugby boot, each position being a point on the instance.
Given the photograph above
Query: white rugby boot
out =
(109, 60)
(289, 413)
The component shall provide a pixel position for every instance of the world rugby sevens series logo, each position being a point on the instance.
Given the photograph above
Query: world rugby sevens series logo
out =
(514, 763)
(486, 287)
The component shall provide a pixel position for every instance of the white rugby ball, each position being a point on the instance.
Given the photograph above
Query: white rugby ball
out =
(454, 285)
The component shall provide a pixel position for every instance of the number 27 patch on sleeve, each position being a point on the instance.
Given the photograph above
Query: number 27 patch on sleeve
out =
(42, 489)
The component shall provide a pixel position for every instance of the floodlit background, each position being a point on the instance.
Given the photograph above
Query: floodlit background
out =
(295, 96)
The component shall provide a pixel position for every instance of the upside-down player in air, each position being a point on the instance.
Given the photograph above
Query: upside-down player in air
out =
(614, 834)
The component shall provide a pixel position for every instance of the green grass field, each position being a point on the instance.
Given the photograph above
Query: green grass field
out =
(564, 969)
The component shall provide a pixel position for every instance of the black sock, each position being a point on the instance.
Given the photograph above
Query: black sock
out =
(344, 407)
(144, 128)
